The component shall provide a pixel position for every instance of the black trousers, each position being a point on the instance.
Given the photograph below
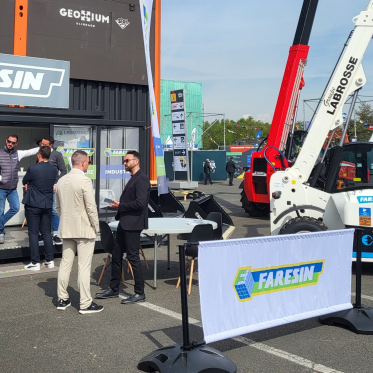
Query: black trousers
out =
(208, 178)
(39, 220)
(231, 174)
(127, 242)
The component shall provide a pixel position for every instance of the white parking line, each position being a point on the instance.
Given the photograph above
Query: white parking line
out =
(248, 342)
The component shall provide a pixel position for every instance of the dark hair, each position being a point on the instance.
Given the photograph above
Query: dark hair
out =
(77, 157)
(135, 154)
(45, 152)
(48, 138)
(231, 158)
(13, 136)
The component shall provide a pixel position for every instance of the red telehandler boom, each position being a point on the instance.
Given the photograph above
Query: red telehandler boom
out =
(255, 195)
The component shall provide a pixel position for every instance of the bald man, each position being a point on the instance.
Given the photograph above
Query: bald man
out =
(207, 170)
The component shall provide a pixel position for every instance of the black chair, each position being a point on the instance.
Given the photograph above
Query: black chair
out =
(201, 232)
(108, 242)
(218, 219)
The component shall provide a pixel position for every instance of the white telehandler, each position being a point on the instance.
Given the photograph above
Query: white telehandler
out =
(335, 190)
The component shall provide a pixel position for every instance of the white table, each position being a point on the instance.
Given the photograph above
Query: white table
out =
(161, 227)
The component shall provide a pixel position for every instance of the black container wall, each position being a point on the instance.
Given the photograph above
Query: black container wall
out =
(118, 101)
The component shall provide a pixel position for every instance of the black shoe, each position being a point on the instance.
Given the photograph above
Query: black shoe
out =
(93, 308)
(56, 240)
(211, 183)
(108, 293)
(63, 304)
(134, 298)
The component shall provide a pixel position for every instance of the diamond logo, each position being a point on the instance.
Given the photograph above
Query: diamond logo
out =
(122, 23)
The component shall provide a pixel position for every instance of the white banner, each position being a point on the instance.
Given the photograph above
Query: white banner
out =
(252, 284)
(146, 15)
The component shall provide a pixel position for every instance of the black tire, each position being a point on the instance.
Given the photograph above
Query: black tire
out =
(304, 224)
(252, 208)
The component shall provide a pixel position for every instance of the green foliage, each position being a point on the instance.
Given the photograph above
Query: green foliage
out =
(232, 132)
(365, 114)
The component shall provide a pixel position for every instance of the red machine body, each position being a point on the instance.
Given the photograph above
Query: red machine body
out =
(255, 196)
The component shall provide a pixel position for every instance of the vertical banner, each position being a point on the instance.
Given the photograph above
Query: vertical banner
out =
(264, 282)
(146, 15)
(179, 131)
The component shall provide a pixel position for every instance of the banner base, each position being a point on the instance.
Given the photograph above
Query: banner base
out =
(176, 359)
(358, 319)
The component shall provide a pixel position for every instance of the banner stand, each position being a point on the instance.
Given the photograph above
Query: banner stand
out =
(188, 358)
(358, 319)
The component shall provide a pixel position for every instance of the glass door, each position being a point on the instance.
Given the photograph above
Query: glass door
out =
(114, 144)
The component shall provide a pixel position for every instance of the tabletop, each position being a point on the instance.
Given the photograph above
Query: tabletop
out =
(170, 225)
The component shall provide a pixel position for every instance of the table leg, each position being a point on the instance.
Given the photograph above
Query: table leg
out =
(168, 251)
(155, 261)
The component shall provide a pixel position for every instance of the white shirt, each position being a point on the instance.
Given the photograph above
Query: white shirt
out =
(27, 153)
(83, 173)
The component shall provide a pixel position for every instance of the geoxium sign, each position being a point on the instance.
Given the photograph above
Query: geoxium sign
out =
(30, 81)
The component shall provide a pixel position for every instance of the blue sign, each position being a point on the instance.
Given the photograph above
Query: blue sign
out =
(367, 240)
(366, 199)
(366, 212)
(114, 172)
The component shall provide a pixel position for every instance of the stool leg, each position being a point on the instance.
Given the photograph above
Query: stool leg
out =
(143, 255)
(130, 267)
(191, 275)
(24, 222)
(122, 274)
(103, 270)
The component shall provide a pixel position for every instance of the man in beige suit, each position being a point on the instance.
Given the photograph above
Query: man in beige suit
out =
(76, 207)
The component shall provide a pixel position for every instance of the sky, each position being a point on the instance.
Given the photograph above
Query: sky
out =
(238, 51)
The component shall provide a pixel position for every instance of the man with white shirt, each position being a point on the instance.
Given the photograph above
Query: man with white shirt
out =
(9, 159)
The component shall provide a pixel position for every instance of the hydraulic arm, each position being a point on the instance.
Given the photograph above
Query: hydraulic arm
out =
(255, 197)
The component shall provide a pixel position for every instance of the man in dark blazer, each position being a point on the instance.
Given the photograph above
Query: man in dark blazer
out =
(230, 167)
(38, 200)
(133, 218)
(207, 169)
(55, 159)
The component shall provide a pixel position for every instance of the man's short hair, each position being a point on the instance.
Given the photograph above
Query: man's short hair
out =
(231, 158)
(13, 136)
(49, 138)
(78, 157)
(135, 154)
(45, 152)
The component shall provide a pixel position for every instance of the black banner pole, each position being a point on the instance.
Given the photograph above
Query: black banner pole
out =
(358, 319)
(186, 358)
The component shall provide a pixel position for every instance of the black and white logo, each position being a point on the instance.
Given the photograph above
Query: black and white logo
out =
(85, 18)
(122, 23)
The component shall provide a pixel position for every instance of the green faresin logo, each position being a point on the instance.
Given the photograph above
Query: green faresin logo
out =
(250, 282)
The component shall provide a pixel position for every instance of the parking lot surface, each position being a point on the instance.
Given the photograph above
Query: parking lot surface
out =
(35, 337)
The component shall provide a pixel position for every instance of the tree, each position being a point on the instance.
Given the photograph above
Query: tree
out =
(364, 115)
(242, 129)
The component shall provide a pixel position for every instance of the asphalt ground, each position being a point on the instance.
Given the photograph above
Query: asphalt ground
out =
(35, 337)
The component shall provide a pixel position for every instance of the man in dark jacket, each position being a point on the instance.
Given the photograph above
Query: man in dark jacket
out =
(55, 159)
(230, 167)
(38, 200)
(133, 218)
(9, 159)
(207, 169)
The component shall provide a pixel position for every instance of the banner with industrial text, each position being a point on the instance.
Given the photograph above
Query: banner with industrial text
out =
(252, 284)
(146, 15)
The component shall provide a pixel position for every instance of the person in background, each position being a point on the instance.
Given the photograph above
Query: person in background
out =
(230, 167)
(79, 226)
(9, 159)
(38, 200)
(133, 218)
(207, 170)
(55, 159)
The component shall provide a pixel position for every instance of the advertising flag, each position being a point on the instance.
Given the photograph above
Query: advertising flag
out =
(146, 15)
(264, 282)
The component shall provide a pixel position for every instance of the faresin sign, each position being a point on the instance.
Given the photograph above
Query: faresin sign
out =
(30, 81)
